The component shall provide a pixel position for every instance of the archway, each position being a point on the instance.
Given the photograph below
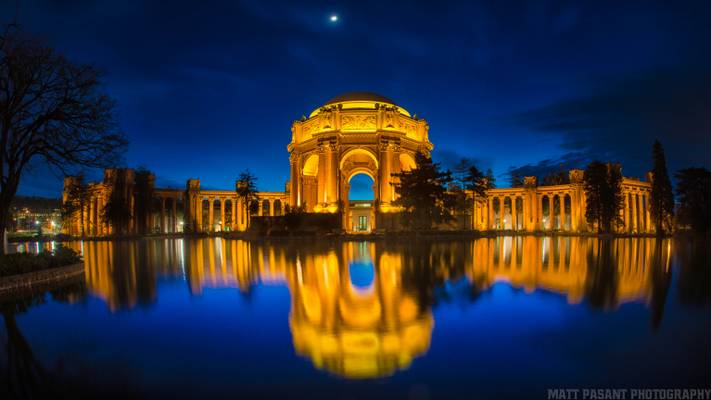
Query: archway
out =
(361, 195)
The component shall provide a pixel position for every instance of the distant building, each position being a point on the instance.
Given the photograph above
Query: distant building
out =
(34, 214)
(352, 134)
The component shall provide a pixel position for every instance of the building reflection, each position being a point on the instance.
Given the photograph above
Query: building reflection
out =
(364, 309)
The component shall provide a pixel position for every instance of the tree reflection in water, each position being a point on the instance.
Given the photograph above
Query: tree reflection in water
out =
(24, 376)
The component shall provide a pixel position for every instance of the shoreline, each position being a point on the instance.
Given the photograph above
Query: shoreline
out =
(349, 236)
(29, 283)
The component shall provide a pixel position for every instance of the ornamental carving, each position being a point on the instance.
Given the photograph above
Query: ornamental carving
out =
(357, 122)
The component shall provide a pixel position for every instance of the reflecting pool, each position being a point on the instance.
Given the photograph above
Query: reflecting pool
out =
(506, 317)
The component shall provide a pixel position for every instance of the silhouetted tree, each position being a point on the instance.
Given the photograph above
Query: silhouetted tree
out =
(516, 180)
(117, 211)
(661, 201)
(560, 177)
(694, 191)
(603, 277)
(423, 194)
(603, 195)
(246, 188)
(143, 195)
(78, 196)
(52, 111)
(491, 181)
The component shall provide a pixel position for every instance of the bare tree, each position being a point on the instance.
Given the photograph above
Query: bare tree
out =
(52, 111)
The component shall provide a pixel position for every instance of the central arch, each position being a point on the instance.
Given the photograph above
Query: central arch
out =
(357, 133)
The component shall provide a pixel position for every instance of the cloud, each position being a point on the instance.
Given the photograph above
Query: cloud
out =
(450, 158)
(621, 119)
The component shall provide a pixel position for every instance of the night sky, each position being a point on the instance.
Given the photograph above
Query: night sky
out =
(206, 89)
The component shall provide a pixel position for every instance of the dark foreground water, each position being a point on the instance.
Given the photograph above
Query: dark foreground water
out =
(486, 318)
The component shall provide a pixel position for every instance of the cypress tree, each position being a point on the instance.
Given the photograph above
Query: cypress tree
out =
(662, 198)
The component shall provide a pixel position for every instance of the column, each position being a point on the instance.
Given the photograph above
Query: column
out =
(294, 198)
(211, 215)
(331, 179)
(260, 212)
(561, 201)
(162, 216)
(491, 220)
(271, 207)
(514, 217)
(174, 216)
(648, 215)
(222, 214)
(634, 213)
(385, 169)
(551, 213)
(198, 213)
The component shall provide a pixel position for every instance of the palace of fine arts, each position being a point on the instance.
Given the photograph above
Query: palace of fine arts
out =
(351, 134)
(355, 200)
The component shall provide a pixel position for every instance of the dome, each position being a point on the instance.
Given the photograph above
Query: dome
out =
(359, 96)
(359, 101)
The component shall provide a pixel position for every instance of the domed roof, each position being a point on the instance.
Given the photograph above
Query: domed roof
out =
(359, 101)
(359, 96)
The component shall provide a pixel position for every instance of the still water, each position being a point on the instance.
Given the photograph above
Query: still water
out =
(505, 317)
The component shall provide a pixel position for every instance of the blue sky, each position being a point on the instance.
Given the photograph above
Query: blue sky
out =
(207, 89)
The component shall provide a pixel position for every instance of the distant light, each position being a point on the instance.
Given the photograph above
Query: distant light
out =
(334, 18)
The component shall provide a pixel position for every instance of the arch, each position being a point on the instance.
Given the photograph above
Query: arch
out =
(266, 208)
(497, 205)
(407, 162)
(568, 210)
(311, 165)
(371, 189)
(277, 207)
(518, 206)
(507, 213)
(357, 151)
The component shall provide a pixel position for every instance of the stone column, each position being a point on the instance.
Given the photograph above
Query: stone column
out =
(211, 215)
(260, 211)
(174, 212)
(294, 197)
(492, 215)
(648, 215)
(385, 169)
(561, 201)
(198, 213)
(331, 179)
(551, 213)
(162, 216)
(635, 221)
(514, 217)
(222, 214)
(271, 208)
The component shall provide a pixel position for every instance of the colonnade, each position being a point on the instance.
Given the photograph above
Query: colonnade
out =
(214, 211)
(558, 208)
(531, 209)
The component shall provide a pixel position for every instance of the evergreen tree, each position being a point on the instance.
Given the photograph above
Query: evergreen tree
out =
(516, 180)
(246, 188)
(694, 192)
(491, 181)
(143, 195)
(77, 200)
(116, 212)
(423, 194)
(661, 202)
(603, 194)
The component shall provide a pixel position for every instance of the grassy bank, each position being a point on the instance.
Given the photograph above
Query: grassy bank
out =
(21, 263)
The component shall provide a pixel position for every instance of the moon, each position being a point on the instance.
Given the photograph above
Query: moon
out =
(333, 18)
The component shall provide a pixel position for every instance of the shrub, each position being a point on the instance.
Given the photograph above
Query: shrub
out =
(20, 263)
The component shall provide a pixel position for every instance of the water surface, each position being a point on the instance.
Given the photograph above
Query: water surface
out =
(510, 316)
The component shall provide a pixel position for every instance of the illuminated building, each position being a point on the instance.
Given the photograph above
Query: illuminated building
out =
(352, 134)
